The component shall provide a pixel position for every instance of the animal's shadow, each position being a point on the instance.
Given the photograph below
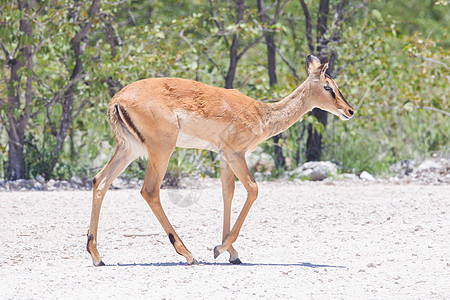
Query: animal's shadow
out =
(202, 263)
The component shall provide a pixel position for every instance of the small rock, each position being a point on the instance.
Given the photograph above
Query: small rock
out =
(64, 184)
(348, 176)
(38, 186)
(88, 184)
(371, 265)
(11, 185)
(434, 171)
(429, 165)
(418, 228)
(40, 179)
(316, 170)
(16, 184)
(402, 168)
(260, 161)
(366, 176)
(76, 180)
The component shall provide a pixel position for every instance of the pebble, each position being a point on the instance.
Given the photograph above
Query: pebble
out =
(366, 176)
(418, 228)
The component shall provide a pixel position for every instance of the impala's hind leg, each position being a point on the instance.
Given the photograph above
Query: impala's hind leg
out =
(157, 165)
(100, 184)
(228, 186)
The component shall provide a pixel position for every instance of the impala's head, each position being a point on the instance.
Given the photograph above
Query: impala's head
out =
(324, 90)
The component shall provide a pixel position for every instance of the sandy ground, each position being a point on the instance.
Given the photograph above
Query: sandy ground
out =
(300, 240)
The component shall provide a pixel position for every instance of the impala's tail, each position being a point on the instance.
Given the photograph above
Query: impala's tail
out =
(125, 130)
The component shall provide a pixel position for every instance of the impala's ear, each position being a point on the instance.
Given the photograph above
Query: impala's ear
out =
(312, 64)
(324, 68)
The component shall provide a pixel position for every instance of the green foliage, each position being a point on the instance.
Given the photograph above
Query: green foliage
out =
(392, 67)
(401, 98)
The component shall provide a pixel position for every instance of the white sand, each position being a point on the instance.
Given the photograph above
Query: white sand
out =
(300, 240)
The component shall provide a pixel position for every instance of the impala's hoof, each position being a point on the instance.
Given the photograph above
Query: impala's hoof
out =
(193, 262)
(237, 261)
(99, 264)
(216, 252)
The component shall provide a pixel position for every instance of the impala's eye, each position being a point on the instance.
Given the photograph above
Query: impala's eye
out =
(329, 89)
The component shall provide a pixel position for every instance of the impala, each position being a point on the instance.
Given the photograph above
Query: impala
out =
(153, 116)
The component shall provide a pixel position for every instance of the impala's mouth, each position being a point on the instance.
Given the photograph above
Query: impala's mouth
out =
(343, 116)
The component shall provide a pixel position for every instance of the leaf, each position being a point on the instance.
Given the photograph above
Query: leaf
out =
(408, 107)
(377, 15)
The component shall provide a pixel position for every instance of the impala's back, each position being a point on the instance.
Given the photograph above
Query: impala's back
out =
(203, 116)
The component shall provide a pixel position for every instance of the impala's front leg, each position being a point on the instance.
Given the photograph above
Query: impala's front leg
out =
(239, 167)
(228, 186)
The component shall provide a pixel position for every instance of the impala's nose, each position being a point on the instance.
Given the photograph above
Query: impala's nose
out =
(345, 114)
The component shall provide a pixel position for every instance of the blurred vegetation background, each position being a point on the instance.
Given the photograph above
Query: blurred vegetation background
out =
(62, 60)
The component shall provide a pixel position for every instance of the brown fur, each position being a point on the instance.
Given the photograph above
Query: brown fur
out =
(153, 116)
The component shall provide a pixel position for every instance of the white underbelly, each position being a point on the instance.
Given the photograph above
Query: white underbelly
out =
(190, 141)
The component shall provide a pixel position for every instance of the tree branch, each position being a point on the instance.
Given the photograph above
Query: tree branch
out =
(308, 26)
(2, 120)
(368, 90)
(278, 11)
(219, 26)
(249, 46)
(52, 126)
(432, 60)
(321, 28)
(17, 47)
(79, 109)
(262, 10)
(294, 71)
(6, 51)
(215, 64)
(337, 19)
(64, 89)
(108, 29)
(433, 109)
(343, 66)
(184, 38)
(87, 26)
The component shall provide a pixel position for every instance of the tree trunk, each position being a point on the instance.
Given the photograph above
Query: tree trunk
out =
(15, 167)
(314, 141)
(229, 78)
(231, 73)
(280, 161)
(271, 62)
(78, 44)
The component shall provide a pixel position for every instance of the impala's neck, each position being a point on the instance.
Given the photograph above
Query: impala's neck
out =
(282, 115)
